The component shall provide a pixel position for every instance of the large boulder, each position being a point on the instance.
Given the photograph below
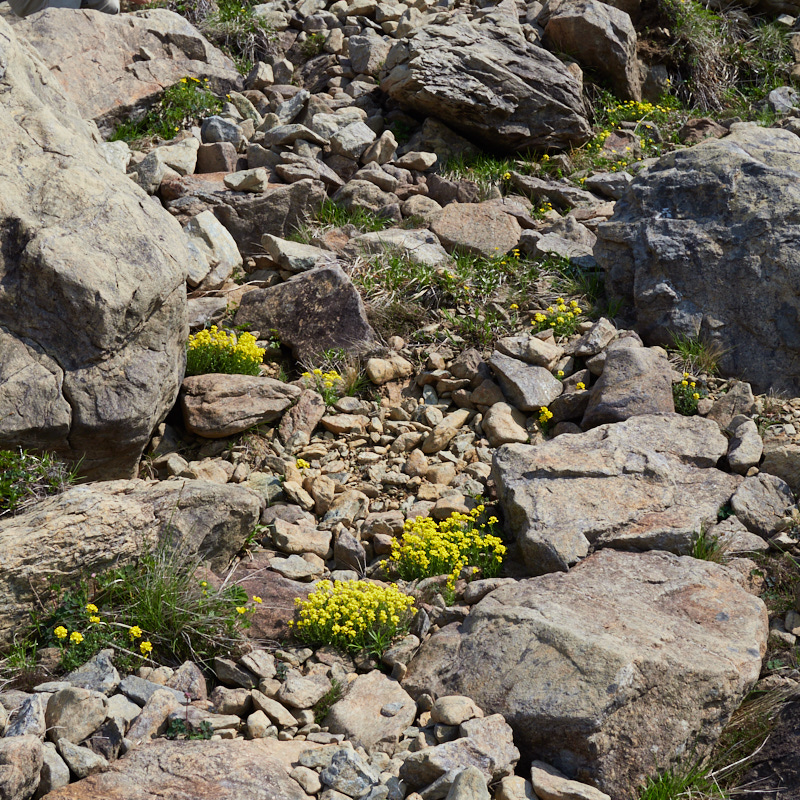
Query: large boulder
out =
(312, 312)
(706, 243)
(92, 284)
(647, 483)
(257, 770)
(615, 670)
(598, 36)
(93, 527)
(112, 67)
(488, 82)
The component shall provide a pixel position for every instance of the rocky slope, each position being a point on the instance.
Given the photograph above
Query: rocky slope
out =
(604, 653)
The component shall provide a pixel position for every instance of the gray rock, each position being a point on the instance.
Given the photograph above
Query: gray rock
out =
(55, 772)
(550, 784)
(74, 714)
(248, 180)
(469, 784)
(349, 774)
(188, 678)
(293, 256)
(419, 246)
(761, 502)
(230, 673)
(653, 654)
(601, 37)
(90, 361)
(101, 64)
(349, 553)
(216, 129)
(647, 483)
(296, 568)
(503, 424)
(98, 674)
(352, 140)
(140, 690)
(531, 350)
(285, 135)
(454, 709)
(610, 184)
(363, 194)
(92, 526)
(682, 202)
(527, 388)
(278, 714)
(490, 84)
(737, 400)
(782, 458)
(367, 53)
(28, 719)
(311, 312)
(152, 720)
(745, 447)
(81, 761)
(635, 381)
(303, 691)
(248, 216)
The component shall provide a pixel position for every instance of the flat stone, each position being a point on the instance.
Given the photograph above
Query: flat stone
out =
(683, 628)
(358, 715)
(647, 483)
(550, 784)
(257, 770)
(296, 568)
(215, 406)
(479, 228)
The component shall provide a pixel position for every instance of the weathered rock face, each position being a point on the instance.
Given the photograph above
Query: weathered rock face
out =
(314, 311)
(599, 36)
(92, 284)
(704, 232)
(91, 527)
(642, 484)
(489, 83)
(615, 669)
(102, 67)
(201, 770)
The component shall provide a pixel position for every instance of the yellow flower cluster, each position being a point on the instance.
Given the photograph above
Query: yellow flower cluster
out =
(327, 380)
(353, 615)
(301, 463)
(562, 318)
(214, 350)
(545, 415)
(635, 110)
(429, 548)
(543, 209)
